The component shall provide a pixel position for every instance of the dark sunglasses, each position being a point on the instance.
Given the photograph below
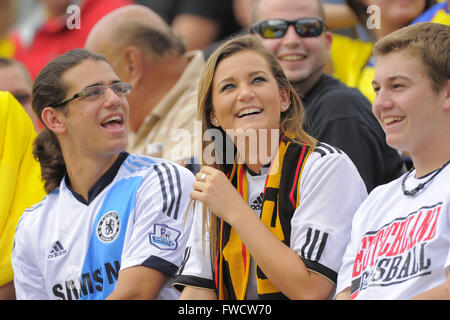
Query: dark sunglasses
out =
(277, 28)
(97, 91)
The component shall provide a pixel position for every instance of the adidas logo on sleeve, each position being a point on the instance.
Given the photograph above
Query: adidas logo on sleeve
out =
(57, 250)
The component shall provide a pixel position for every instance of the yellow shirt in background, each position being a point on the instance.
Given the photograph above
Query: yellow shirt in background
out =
(6, 48)
(350, 58)
(438, 13)
(20, 175)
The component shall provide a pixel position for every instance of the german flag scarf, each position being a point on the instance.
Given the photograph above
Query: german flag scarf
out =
(232, 263)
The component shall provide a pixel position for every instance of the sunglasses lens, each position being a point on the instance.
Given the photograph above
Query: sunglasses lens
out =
(308, 28)
(277, 28)
(272, 29)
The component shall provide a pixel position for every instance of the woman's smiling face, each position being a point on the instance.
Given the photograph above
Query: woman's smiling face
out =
(245, 94)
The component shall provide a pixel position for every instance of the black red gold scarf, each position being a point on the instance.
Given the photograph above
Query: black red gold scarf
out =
(280, 200)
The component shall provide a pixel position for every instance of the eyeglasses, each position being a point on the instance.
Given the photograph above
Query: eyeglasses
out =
(277, 28)
(91, 93)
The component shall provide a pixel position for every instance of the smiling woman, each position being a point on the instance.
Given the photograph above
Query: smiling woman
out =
(244, 90)
(246, 98)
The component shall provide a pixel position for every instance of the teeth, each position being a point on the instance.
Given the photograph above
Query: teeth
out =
(293, 57)
(392, 119)
(113, 118)
(248, 111)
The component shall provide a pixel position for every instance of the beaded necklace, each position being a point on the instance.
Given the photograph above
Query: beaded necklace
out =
(414, 191)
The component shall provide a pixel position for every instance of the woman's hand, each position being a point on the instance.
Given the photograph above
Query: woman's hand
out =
(213, 188)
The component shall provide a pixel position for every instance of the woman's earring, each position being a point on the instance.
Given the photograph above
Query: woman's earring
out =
(284, 107)
(216, 123)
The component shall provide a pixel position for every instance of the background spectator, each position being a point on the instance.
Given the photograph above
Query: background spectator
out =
(351, 59)
(198, 22)
(336, 114)
(20, 176)
(164, 78)
(48, 36)
(14, 77)
(438, 13)
(6, 22)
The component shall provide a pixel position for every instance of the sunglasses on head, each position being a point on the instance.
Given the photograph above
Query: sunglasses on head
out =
(277, 28)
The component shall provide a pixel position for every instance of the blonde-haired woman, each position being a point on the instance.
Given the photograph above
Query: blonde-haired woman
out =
(274, 218)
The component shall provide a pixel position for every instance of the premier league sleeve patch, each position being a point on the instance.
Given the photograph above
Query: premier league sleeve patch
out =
(164, 237)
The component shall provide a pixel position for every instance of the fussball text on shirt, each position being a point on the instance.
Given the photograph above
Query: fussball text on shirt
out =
(397, 252)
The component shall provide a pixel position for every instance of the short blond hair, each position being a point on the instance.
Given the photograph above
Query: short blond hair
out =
(429, 41)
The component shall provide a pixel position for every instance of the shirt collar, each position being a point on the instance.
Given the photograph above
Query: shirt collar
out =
(101, 183)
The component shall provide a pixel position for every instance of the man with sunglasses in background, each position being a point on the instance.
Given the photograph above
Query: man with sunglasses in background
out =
(295, 32)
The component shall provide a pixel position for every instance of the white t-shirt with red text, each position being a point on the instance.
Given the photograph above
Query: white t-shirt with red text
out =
(400, 245)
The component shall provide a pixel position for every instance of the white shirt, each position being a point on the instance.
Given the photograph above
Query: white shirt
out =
(330, 192)
(400, 244)
(65, 248)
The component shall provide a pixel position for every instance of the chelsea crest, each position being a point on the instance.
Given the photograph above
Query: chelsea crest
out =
(108, 227)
